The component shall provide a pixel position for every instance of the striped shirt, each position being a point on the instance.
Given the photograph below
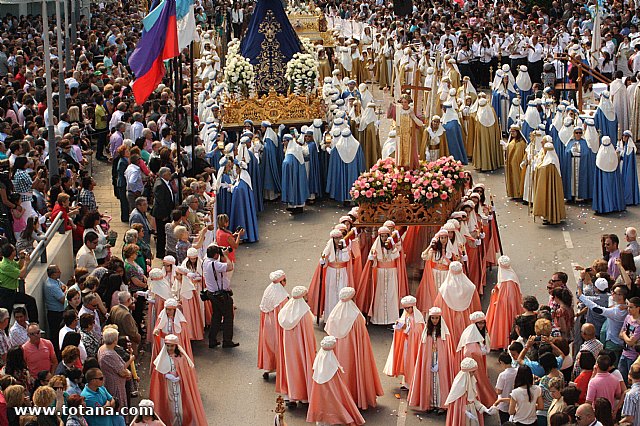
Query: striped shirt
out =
(631, 406)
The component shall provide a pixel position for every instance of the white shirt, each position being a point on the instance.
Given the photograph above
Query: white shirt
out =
(535, 53)
(219, 280)
(136, 130)
(18, 335)
(115, 119)
(237, 16)
(636, 63)
(525, 406)
(505, 382)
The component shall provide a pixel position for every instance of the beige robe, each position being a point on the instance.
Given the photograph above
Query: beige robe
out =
(512, 170)
(370, 142)
(487, 152)
(548, 200)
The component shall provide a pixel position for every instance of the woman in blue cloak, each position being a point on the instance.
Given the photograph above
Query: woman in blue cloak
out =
(453, 129)
(628, 170)
(224, 183)
(608, 191)
(312, 164)
(501, 97)
(243, 205)
(605, 118)
(295, 187)
(346, 163)
(271, 163)
(561, 145)
(253, 168)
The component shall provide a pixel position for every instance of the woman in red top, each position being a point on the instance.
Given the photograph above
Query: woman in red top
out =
(62, 205)
(224, 237)
(587, 361)
(563, 317)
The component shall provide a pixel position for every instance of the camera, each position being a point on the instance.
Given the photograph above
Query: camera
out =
(238, 229)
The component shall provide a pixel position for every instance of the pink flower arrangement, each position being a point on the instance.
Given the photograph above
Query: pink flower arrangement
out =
(430, 183)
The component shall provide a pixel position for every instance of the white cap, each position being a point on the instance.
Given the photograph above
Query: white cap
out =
(156, 274)
(299, 291)
(328, 342)
(435, 311)
(477, 316)
(504, 261)
(602, 284)
(335, 234)
(192, 252)
(468, 364)
(171, 303)
(277, 276)
(408, 301)
(347, 293)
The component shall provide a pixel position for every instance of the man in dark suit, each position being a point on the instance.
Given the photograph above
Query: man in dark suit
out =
(163, 205)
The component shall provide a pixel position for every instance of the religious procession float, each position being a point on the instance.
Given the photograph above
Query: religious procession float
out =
(271, 74)
(423, 196)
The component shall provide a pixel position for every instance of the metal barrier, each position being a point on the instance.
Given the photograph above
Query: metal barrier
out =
(41, 248)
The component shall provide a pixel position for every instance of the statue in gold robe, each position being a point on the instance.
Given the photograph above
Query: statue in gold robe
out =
(406, 122)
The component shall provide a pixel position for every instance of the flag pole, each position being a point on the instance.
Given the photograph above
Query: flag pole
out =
(53, 155)
(62, 97)
(177, 91)
(193, 106)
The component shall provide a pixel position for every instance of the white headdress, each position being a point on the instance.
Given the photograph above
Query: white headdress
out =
(607, 158)
(326, 364)
(163, 360)
(505, 272)
(347, 146)
(457, 290)
(343, 315)
(178, 318)
(275, 292)
(293, 311)
(464, 383)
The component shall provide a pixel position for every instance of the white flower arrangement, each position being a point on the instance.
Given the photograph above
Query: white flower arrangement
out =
(307, 46)
(239, 74)
(302, 73)
(299, 9)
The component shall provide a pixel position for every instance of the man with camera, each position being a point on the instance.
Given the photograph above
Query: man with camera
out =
(216, 268)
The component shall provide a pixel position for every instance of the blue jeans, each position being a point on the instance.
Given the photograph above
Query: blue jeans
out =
(624, 366)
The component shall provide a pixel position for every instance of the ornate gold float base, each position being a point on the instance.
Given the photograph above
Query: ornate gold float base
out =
(276, 108)
(404, 213)
(312, 26)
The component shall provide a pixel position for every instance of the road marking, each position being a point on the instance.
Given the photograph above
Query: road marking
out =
(402, 412)
(567, 239)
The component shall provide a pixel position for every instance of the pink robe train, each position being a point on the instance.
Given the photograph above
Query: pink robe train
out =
(331, 403)
(428, 289)
(456, 413)
(421, 391)
(457, 322)
(192, 407)
(405, 351)
(504, 307)
(193, 314)
(355, 355)
(486, 392)
(298, 352)
(270, 339)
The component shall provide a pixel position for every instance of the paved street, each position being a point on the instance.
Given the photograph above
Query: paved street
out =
(232, 388)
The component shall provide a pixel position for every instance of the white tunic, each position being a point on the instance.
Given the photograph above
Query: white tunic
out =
(386, 305)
